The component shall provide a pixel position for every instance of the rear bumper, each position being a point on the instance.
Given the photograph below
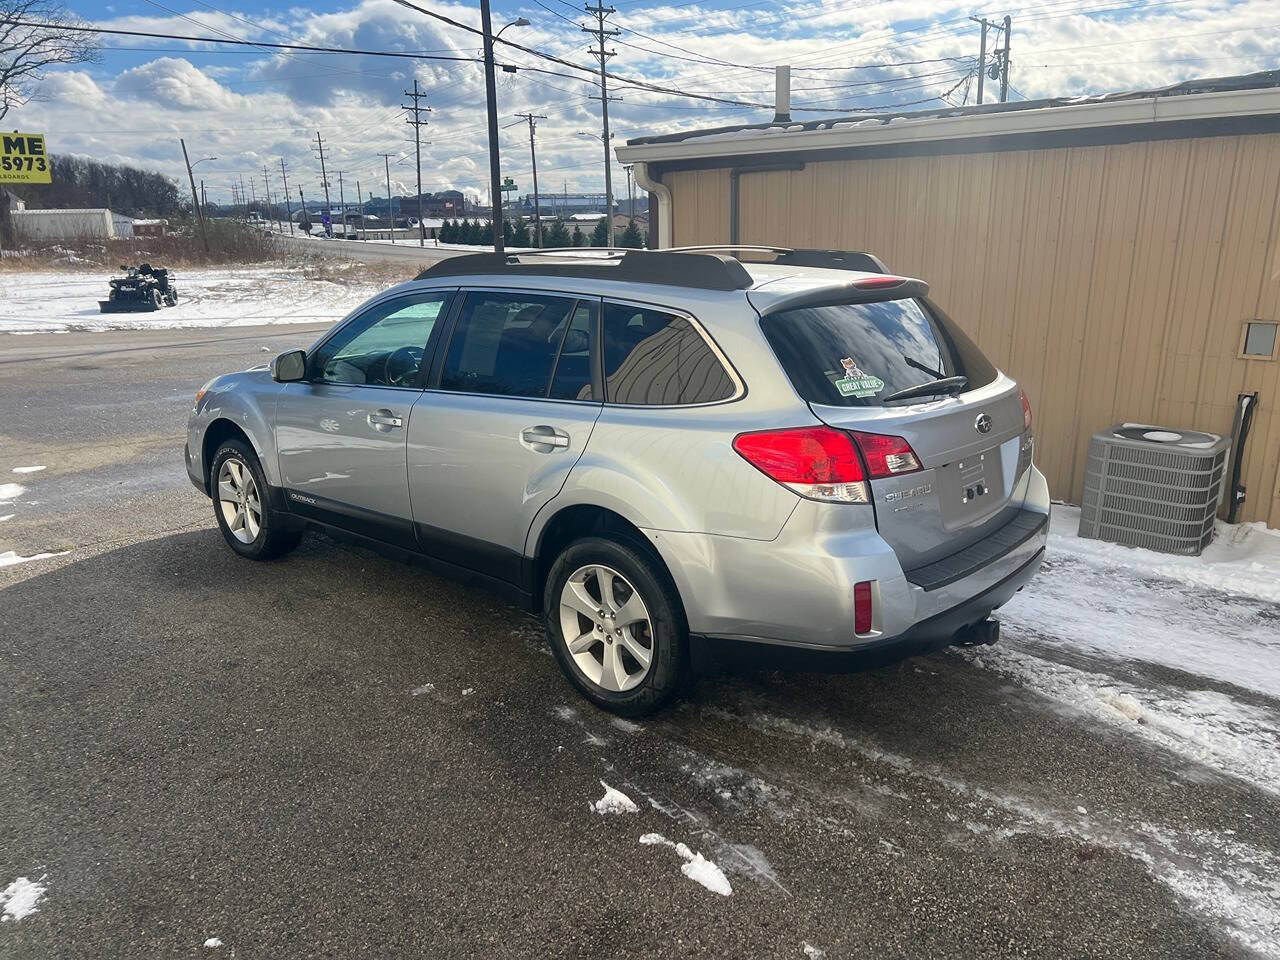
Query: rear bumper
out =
(797, 591)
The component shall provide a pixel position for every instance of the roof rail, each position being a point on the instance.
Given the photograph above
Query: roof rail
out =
(801, 257)
(704, 271)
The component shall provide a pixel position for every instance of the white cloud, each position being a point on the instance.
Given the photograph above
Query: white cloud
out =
(251, 107)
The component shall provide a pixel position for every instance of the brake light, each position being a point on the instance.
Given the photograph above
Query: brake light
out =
(1026, 410)
(816, 462)
(862, 607)
(886, 456)
(878, 283)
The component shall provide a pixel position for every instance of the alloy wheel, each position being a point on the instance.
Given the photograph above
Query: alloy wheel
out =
(606, 627)
(239, 501)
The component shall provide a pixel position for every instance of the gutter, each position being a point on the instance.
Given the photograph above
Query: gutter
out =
(844, 132)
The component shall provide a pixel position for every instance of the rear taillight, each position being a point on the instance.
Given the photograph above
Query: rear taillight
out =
(1026, 410)
(816, 462)
(886, 456)
(823, 463)
(862, 607)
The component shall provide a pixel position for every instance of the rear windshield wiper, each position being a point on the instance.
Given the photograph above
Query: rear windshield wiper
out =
(911, 362)
(947, 385)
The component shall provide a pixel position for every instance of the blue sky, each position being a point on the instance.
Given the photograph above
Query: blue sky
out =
(250, 107)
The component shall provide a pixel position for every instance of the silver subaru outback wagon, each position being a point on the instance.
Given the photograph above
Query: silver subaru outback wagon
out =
(758, 448)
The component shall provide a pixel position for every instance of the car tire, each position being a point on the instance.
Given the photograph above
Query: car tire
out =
(601, 660)
(259, 533)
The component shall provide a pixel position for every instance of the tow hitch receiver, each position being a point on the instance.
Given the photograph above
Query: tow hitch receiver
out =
(983, 633)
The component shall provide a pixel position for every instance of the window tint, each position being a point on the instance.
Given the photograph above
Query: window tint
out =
(651, 357)
(572, 377)
(854, 354)
(382, 348)
(506, 343)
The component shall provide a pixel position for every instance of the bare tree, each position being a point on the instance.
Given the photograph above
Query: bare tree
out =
(26, 51)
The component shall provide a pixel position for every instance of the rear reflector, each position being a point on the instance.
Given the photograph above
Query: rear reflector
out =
(816, 462)
(862, 612)
(887, 456)
(1026, 410)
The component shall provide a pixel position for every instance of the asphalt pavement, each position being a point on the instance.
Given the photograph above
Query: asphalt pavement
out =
(340, 755)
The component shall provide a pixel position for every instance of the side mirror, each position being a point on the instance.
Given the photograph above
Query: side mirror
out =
(289, 367)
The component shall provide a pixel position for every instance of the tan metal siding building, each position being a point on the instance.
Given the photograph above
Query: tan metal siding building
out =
(1107, 255)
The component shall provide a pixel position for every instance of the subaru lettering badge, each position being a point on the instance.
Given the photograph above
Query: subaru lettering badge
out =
(982, 424)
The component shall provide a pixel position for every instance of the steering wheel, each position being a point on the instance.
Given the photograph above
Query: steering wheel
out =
(401, 365)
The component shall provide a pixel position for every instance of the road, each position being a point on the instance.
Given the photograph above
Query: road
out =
(338, 755)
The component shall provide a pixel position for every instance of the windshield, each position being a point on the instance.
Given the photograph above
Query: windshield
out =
(858, 354)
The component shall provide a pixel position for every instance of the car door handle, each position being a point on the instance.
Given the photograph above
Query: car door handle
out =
(544, 436)
(384, 420)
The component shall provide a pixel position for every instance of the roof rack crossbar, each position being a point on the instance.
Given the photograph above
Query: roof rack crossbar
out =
(703, 271)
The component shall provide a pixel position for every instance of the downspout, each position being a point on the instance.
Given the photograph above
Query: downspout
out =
(660, 237)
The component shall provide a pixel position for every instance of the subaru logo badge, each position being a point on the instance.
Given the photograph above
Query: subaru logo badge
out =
(982, 424)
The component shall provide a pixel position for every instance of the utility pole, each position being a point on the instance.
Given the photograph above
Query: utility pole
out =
(417, 123)
(324, 182)
(288, 207)
(1004, 72)
(253, 191)
(533, 158)
(195, 201)
(342, 204)
(360, 207)
(631, 200)
(244, 196)
(1000, 68)
(266, 186)
(982, 54)
(391, 220)
(204, 198)
(603, 55)
(491, 106)
(302, 203)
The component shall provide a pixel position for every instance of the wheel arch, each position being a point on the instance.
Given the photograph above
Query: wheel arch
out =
(218, 432)
(575, 521)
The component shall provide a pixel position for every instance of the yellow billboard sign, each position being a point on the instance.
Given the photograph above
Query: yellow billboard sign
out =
(22, 158)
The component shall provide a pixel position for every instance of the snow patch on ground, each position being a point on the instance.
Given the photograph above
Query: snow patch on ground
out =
(425, 688)
(812, 952)
(7, 516)
(626, 726)
(35, 469)
(21, 897)
(696, 867)
(213, 943)
(1234, 738)
(11, 491)
(10, 558)
(49, 302)
(614, 801)
(1244, 558)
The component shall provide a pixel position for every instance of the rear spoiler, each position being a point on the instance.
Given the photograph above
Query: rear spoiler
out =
(862, 290)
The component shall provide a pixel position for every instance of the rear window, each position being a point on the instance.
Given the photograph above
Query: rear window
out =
(854, 355)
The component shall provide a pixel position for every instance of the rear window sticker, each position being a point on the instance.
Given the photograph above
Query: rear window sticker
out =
(855, 382)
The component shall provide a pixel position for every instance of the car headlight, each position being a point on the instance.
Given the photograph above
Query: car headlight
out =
(200, 394)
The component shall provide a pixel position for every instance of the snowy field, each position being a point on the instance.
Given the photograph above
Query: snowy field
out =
(51, 302)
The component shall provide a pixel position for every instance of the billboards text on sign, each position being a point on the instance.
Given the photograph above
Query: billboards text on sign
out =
(22, 158)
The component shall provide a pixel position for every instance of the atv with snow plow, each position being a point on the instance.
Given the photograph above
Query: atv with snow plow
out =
(142, 288)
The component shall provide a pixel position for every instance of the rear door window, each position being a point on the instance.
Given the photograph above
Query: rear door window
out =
(509, 344)
(657, 358)
(856, 354)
